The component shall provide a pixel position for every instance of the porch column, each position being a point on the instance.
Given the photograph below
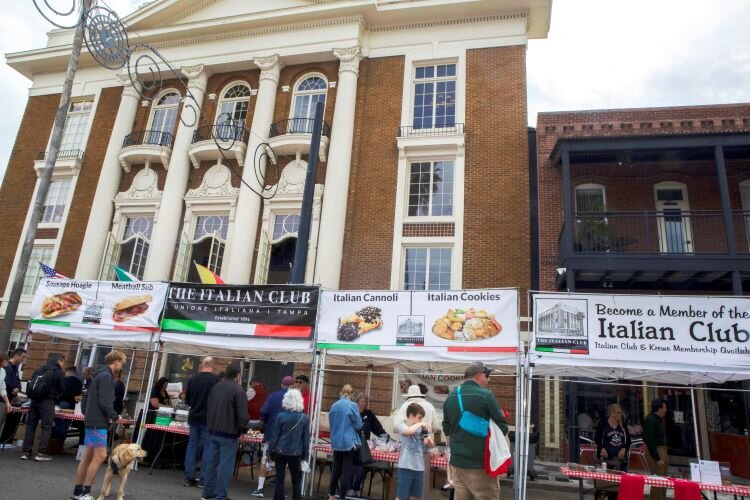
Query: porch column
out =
(167, 223)
(102, 207)
(726, 208)
(333, 216)
(567, 239)
(236, 268)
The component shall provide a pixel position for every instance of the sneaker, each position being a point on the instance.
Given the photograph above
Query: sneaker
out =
(258, 493)
(190, 483)
(42, 457)
(25, 456)
(208, 498)
(86, 496)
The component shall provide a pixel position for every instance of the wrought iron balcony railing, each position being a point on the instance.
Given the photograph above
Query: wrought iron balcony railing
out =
(411, 131)
(659, 232)
(63, 154)
(149, 137)
(223, 132)
(297, 126)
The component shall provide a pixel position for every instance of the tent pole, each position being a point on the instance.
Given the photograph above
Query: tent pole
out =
(79, 351)
(142, 428)
(527, 426)
(518, 420)
(314, 436)
(695, 423)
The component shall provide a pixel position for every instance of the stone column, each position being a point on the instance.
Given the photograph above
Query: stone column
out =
(102, 208)
(167, 221)
(237, 264)
(333, 216)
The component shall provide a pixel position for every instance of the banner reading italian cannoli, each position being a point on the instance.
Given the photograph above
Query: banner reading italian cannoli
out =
(266, 311)
(69, 306)
(448, 320)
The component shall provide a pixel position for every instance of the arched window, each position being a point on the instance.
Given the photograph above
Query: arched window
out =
(232, 111)
(307, 94)
(163, 117)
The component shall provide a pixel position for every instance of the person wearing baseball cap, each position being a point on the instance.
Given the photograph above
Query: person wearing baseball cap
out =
(271, 408)
(302, 382)
(467, 448)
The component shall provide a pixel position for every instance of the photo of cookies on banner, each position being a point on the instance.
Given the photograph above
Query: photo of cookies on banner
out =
(361, 322)
(62, 303)
(130, 308)
(466, 325)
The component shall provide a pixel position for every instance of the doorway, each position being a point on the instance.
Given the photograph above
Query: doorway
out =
(673, 218)
(281, 261)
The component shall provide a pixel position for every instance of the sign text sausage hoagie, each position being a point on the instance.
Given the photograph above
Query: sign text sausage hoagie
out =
(62, 303)
(130, 308)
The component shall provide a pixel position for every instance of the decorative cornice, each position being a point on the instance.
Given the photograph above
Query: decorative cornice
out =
(349, 58)
(143, 188)
(270, 67)
(187, 13)
(448, 22)
(216, 183)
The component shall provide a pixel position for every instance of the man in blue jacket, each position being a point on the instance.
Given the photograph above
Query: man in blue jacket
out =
(271, 408)
(100, 412)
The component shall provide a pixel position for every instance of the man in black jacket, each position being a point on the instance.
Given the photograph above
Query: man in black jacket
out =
(196, 396)
(42, 408)
(100, 412)
(227, 419)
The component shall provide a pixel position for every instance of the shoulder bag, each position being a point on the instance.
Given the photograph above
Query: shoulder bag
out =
(473, 424)
(362, 455)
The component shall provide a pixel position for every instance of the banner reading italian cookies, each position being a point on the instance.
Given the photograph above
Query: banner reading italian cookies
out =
(446, 320)
(78, 307)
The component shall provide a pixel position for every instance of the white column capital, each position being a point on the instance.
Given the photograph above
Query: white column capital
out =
(197, 76)
(270, 67)
(349, 58)
(129, 89)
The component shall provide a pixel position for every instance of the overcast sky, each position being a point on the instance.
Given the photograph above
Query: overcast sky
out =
(599, 54)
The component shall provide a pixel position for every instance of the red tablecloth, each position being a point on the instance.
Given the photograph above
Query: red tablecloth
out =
(662, 482)
(391, 457)
(185, 431)
(67, 415)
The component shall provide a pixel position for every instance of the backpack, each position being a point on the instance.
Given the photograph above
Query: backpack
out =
(39, 386)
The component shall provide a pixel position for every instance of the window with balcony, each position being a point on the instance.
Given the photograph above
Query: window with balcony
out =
(434, 96)
(592, 230)
(57, 200)
(205, 245)
(745, 196)
(76, 126)
(307, 94)
(232, 113)
(427, 268)
(34, 272)
(163, 117)
(430, 189)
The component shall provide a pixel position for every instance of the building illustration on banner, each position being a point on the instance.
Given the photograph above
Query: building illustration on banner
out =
(562, 325)
(410, 330)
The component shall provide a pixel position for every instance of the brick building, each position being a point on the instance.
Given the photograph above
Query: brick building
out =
(424, 151)
(646, 201)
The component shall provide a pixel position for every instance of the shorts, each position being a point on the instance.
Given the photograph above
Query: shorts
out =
(95, 438)
(409, 483)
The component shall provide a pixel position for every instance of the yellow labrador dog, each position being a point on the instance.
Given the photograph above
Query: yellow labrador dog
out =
(119, 464)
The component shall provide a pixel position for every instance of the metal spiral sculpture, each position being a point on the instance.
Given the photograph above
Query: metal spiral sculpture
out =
(108, 43)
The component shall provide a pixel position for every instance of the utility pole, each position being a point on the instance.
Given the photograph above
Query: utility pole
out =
(305, 216)
(44, 182)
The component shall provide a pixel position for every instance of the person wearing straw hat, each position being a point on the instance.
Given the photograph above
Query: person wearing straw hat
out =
(466, 415)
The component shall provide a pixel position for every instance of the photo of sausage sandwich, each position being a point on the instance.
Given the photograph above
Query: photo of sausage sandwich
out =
(62, 303)
(130, 307)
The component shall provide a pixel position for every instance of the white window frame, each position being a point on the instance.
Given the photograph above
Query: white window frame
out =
(426, 244)
(590, 187)
(64, 201)
(430, 218)
(223, 100)
(84, 133)
(297, 93)
(188, 240)
(156, 107)
(435, 80)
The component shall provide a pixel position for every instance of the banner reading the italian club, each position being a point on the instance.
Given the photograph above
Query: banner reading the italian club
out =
(264, 311)
(696, 330)
(64, 306)
(445, 320)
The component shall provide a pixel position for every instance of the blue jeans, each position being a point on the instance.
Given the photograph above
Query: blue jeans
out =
(198, 441)
(61, 424)
(219, 463)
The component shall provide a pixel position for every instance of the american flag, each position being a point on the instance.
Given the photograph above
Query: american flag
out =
(51, 273)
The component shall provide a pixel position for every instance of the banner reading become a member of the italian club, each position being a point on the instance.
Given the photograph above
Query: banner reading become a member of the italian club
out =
(269, 311)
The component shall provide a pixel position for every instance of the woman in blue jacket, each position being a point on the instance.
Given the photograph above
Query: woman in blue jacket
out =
(288, 442)
(345, 424)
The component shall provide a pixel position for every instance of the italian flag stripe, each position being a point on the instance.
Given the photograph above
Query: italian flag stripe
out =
(183, 325)
(50, 322)
(244, 329)
(545, 349)
(283, 331)
(481, 349)
(353, 347)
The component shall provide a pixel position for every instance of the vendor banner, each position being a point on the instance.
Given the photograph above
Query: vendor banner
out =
(267, 311)
(446, 320)
(643, 328)
(64, 305)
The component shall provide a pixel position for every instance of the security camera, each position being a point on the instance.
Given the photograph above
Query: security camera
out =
(561, 270)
